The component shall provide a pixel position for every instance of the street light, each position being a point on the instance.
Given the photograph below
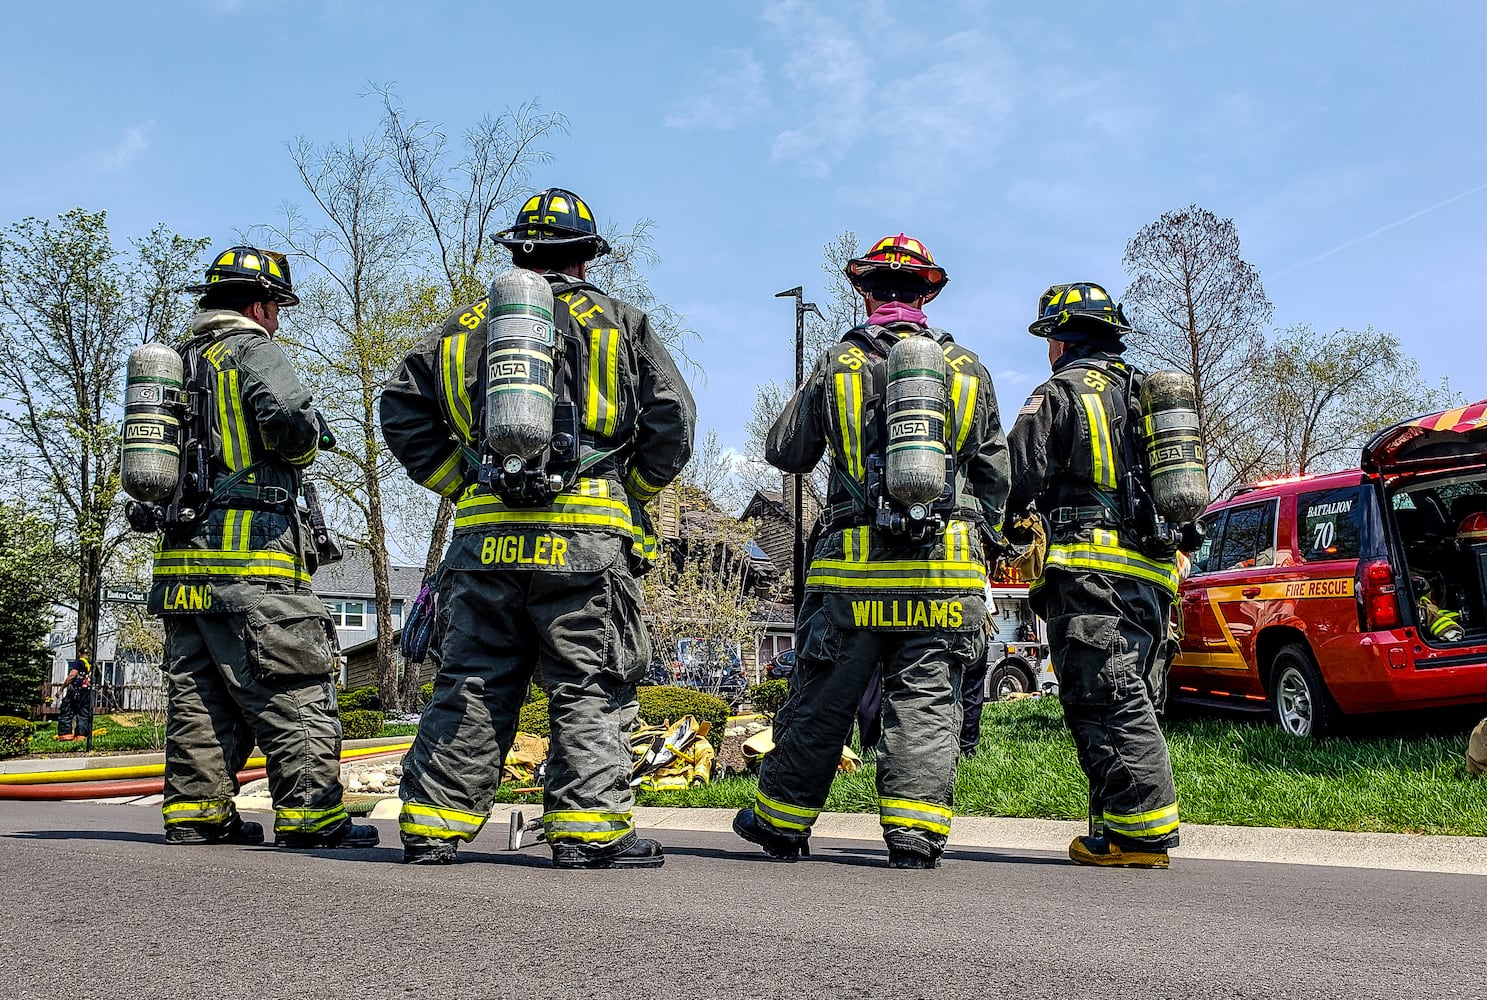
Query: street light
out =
(801, 308)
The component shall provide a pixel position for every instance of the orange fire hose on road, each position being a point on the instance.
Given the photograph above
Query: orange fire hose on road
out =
(109, 782)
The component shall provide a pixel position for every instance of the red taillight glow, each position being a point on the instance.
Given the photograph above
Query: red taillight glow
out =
(1378, 603)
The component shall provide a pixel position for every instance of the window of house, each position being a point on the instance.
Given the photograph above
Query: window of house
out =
(348, 614)
(1331, 524)
(397, 615)
(1249, 537)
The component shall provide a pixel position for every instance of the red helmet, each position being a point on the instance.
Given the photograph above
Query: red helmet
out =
(1473, 527)
(897, 267)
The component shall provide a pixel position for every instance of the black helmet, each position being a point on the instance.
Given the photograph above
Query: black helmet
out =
(555, 217)
(1066, 312)
(240, 267)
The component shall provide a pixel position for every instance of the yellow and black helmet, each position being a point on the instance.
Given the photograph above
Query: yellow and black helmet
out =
(896, 267)
(245, 266)
(1075, 307)
(555, 217)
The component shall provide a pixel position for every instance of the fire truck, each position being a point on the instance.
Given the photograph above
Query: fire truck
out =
(1017, 646)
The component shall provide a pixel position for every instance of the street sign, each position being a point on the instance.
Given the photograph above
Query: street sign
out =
(118, 595)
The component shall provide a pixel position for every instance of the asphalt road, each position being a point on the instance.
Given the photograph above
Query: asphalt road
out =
(156, 921)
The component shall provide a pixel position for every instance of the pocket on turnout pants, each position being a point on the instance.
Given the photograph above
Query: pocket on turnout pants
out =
(290, 635)
(1087, 657)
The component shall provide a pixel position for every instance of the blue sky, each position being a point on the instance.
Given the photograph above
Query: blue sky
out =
(1023, 143)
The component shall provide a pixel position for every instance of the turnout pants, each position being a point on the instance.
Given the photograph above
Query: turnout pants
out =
(919, 746)
(1105, 633)
(972, 703)
(225, 693)
(75, 714)
(495, 628)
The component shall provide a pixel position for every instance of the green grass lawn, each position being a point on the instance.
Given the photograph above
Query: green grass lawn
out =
(1228, 771)
(115, 733)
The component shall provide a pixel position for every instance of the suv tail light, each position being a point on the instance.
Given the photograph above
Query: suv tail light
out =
(1378, 602)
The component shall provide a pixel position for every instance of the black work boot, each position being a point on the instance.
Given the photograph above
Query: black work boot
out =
(779, 846)
(439, 852)
(910, 850)
(344, 834)
(235, 831)
(629, 851)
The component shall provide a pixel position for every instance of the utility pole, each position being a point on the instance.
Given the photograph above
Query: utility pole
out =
(801, 308)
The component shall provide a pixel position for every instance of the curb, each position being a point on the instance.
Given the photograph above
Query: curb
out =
(1251, 844)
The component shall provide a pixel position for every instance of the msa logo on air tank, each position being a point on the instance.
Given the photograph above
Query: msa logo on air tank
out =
(509, 368)
(144, 432)
(908, 428)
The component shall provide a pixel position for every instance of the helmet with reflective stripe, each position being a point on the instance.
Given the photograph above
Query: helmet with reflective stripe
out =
(243, 267)
(1065, 311)
(897, 268)
(555, 217)
(1473, 528)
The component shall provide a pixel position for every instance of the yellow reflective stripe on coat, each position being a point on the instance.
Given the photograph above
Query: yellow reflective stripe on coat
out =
(213, 562)
(587, 505)
(963, 390)
(587, 827)
(452, 375)
(601, 413)
(446, 480)
(1103, 456)
(1101, 557)
(640, 487)
(422, 820)
(927, 574)
(1156, 823)
(849, 423)
(782, 815)
(916, 815)
(308, 820)
(231, 424)
(198, 811)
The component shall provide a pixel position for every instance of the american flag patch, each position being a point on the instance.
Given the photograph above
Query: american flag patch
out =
(1031, 406)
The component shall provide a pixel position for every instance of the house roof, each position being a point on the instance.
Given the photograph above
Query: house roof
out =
(352, 577)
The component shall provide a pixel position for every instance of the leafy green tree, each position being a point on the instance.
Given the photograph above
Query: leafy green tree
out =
(26, 593)
(71, 308)
(1325, 394)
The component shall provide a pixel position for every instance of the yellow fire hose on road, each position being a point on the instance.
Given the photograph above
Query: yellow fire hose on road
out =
(80, 774)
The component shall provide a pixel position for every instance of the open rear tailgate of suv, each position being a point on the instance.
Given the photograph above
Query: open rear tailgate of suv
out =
(1435, 441)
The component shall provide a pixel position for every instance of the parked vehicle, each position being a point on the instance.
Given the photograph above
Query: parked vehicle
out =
(1017, 646)
(781, 667)
(1347, 593)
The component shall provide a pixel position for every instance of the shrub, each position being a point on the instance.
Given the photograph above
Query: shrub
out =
(658, 705)
(361, 723)
(15, 736)
(425, 693)
(533, 719)
(359, 698)
(664, 703)
(769, 696)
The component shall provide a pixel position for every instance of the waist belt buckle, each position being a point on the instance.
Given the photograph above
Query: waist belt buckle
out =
(273, 494)
(1060, 517)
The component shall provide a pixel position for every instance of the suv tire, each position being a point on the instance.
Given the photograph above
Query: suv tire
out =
(1299, 701)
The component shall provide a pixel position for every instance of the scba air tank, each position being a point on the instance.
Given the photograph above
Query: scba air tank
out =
(1174, 446)
(154, 389)
(519, 386)
(914, 465)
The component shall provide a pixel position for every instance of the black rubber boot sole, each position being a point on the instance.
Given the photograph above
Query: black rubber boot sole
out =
(777, 848)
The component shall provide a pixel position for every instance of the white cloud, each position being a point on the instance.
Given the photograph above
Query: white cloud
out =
(135, 141)
(877, 86)
(731, 92)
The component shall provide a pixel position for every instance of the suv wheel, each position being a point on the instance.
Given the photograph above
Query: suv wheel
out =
(1299, 701)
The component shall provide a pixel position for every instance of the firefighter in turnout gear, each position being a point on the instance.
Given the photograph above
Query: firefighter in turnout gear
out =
(896, 574)
(249, 648)
(543, 566)
(1106, 591)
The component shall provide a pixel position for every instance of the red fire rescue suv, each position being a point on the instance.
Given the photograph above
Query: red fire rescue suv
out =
(1350, 592)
